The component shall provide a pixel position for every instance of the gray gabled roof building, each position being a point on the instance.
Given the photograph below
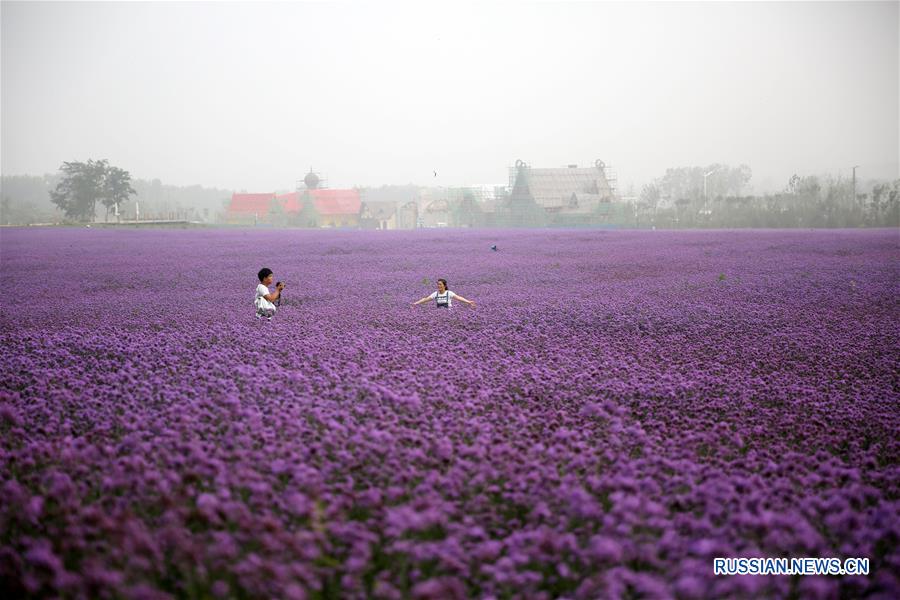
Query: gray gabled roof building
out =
(570, 190)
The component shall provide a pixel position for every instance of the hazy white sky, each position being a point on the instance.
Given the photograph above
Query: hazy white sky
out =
(249, 96)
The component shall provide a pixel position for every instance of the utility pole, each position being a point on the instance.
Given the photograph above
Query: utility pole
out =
(854, 184)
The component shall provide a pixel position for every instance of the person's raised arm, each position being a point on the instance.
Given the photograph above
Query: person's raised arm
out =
(273, 296)
(420, 301)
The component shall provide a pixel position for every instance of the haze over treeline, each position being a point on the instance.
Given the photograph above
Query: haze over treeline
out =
(249, 97)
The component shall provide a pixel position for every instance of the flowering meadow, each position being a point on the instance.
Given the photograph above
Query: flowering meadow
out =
(619, 409)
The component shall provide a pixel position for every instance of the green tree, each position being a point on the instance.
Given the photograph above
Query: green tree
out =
(277, 214)
(80, 188)
(116, 188)
(688, 182)
(804, 197)
(84, 183)
(465, 211)
(884, 209)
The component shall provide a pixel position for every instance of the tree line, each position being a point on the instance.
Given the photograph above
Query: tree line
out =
(713, 197)
(26, 199)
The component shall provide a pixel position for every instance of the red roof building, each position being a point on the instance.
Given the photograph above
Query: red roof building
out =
(310, 208)
(250, 204)
(291, 203)
(336, 202)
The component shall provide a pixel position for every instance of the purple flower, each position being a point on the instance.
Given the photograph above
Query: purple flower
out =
(610, 430)
(605, 549)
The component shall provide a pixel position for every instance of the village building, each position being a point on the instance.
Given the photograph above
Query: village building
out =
(489, 213)
(408, 215)
(470, 206)
(308, 207)
(437, 213)
(249, 209)
(378, 214)
(536, 197)
(560, 196)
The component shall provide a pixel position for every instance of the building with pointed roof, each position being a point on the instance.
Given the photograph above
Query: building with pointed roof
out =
(378, 214)
(570, 195)
(249, 209)
(309, 207)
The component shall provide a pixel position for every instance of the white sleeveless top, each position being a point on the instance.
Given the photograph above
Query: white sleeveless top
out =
(444, 300)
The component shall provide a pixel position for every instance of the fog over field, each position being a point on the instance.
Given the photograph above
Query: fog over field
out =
(249, 96)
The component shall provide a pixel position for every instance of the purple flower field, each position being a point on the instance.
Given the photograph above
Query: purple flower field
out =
(619, 409)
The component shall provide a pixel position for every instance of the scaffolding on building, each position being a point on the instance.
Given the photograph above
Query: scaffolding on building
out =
(611, 175)
(514, 173)
(554, 187)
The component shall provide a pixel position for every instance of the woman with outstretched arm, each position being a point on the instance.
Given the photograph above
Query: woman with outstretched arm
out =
(443, 297)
